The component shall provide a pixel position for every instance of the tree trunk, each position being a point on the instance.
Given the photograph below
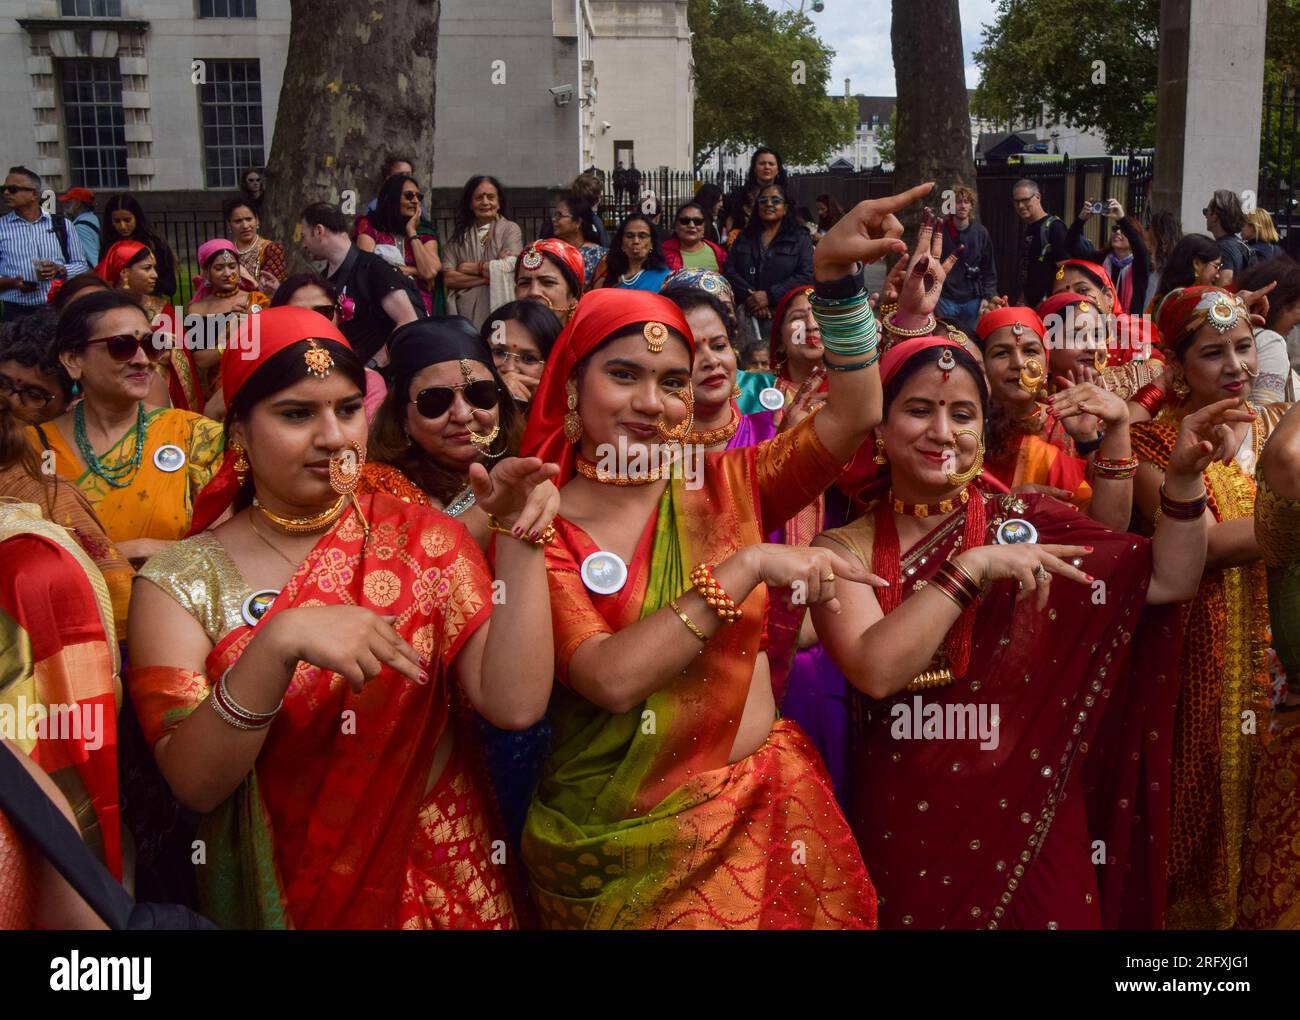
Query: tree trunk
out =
(933, 140)
(358, 87)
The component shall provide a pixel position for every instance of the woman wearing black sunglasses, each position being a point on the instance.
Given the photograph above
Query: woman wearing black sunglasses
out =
(447, 409)
(770, 258)
(139, 465)
(398, 232)
(688, 247)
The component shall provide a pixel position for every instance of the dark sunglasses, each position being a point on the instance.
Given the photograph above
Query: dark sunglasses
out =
(11, 189)
(325, 310)
(123, 346)
(436, 401)
(770, 200)
(417, 195)
(691, 221)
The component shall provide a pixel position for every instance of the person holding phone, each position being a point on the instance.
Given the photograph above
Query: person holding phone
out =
(1125, 257)
(35, 249)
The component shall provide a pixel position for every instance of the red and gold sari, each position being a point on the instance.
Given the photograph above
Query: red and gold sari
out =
(640, 820)
(59, 658)
(1033, 459)
(1222, 674)
(971, 801)
(338, 826)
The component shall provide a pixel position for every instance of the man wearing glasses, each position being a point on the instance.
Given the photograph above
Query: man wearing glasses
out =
(1043, 245)
(31, 379)
(34, 248)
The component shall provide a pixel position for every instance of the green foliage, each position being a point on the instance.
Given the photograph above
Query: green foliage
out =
(750, 91)
(885, 138)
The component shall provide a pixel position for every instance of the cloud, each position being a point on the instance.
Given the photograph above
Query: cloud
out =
(858, 31)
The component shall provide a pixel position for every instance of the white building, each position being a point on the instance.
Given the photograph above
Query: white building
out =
(182, 95)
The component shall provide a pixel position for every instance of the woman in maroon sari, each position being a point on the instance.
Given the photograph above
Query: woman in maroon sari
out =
(972, 754)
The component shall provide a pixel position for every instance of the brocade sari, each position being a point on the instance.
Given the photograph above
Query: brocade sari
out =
(337, 826)
(1222, 674)
(971, 801)
(640, 820)
(58, 651)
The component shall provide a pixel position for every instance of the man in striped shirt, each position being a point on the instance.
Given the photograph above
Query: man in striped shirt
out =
(31, 255)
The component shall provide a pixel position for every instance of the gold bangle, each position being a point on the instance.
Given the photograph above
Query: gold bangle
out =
(545, 538)
(690, 624)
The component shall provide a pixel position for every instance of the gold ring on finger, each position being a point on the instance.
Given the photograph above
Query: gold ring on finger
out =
(1040, 574)
(829, 577)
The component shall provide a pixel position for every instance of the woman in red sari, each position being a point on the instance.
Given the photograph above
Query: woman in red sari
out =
(669, 798)
(131, 266)
(294, 668)
(991, 665)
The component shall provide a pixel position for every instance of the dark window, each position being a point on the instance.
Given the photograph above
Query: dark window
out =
(94, 123)
(90, 8)
(231, 102)
(227, 8)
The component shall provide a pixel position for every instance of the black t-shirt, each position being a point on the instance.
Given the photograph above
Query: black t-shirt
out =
(1043, 248)
(1236, 253)
(367, 279)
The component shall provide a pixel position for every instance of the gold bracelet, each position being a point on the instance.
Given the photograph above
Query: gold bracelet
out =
(691, 624)
(545, 538)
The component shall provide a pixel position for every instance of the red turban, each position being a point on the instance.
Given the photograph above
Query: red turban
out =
(117, 258)
(1009, 316)
(563, 252)
(905, 350)
(259, 338)
(599, 315)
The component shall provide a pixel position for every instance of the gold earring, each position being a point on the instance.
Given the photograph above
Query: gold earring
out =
(572, 423)
(735, 390)
(241, 465)
(974, 469)
(880, 457)
(1181, 390)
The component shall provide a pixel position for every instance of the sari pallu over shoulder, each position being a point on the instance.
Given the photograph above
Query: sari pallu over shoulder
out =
(1222, 674)
(640, 821)
(335, 828)
(967, 799)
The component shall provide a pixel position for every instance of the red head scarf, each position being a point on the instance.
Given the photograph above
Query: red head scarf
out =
(259, 338)
(563, 252)
(1099, 271)
(778, 354)
(117, 258)
(1009, 316)
(599, 315)
(905, 350)
(1187, 309)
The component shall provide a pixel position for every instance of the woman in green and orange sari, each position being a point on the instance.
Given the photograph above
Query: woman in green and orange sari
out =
(294, 668)
(1224, 682)
(670, 797)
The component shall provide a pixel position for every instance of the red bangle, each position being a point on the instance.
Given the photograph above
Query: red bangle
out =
(1151, 397)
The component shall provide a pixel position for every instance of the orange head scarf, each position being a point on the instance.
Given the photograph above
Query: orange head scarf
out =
(259, 338)
(599, 315)
(117, 258)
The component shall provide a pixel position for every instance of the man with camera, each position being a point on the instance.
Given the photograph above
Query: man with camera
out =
(973, 281)
(1043, 244)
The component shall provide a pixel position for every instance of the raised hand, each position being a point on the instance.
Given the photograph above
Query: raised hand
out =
(866, 233)
(1081, 406)
(1257, 302)
(518, 492)
(805, 401)
(922, 284)
(1205, 436)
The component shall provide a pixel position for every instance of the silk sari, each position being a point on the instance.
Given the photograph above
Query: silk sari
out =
(156, 503)
(184, 380)
(640, 821)
(58, 651)
(66, 506)
(1222, 674)
(970, 801)
(1034, 460)
(1270, 890)
(337, 825)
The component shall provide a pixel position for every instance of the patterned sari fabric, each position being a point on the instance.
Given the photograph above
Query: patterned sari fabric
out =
(640, 821)
(184, 380)
(970, 800)
(156, 503)
(337, 826)
(1037, 460)
(17, 879)
(62, 502)
(59, 660)
(1270, 886)
(377, 477)
(1222, 674)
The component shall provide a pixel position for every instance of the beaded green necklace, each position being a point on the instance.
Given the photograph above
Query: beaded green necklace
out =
(122, 475)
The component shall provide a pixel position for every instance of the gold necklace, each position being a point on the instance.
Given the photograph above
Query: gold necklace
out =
(303, 525)
(266, 541)
(589, 470)
(722, 434)
(924, 510)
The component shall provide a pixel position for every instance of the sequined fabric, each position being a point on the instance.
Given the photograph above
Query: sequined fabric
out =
(199, 574)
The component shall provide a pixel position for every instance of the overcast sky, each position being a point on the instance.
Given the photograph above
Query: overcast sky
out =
(858, 31)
